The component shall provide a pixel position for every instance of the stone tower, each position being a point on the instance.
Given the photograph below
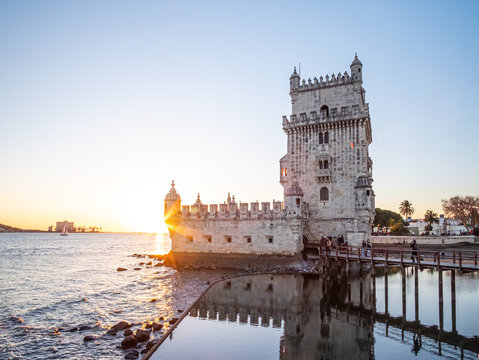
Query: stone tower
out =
(329, 132)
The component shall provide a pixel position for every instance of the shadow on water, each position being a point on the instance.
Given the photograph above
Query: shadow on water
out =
(330, 316)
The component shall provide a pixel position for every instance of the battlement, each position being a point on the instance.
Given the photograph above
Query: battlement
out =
(334, 80)
(233, 210)
(330, 115)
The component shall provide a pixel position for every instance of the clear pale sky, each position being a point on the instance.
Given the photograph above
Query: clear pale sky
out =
(103, 103)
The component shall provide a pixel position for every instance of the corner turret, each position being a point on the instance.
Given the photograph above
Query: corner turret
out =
(357, 69)
(172, 203)
(294, 81)
(293, 199)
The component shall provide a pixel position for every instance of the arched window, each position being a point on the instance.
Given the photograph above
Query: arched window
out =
(320, 138)
(326, 164)
(324, 194)
(320, 164)
(324, 111)
(326, 137)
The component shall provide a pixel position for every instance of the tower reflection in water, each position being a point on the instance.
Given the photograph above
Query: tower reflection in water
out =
(277, 317)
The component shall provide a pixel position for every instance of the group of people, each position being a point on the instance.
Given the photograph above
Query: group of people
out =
(330, 242)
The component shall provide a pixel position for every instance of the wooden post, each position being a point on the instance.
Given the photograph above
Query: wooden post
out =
(475, 258)
(372, 256)
(453, 300)
(337, 253)
(402, 258)
(386, 258)
(403, 280)
(359, 255)
(441, 303)
(373, 274)
(416, 294)
(460, 260)
(453, 257)
(438, 257)
(386, 310)
(418, 259)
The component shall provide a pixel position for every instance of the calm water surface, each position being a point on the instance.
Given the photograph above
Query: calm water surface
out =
(330, 317)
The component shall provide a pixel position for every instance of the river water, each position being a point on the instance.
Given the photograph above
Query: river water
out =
(51, 284)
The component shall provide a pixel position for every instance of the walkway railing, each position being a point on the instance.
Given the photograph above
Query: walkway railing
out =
(462, 260)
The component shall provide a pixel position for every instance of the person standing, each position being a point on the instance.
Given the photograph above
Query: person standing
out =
(414, 250)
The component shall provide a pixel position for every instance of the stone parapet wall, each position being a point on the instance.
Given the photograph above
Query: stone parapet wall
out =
(277, 236)
(425, 240)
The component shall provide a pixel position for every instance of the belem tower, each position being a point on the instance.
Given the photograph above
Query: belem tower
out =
(326, 175)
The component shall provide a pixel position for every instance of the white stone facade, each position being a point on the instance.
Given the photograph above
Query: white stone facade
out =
(326, 176)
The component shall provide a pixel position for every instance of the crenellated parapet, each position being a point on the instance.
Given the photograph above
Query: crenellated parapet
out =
(327, 81)
(234, 211)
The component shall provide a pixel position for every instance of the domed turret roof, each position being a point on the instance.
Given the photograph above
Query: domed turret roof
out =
(294, 189)
(356, 61)
(294, 74)
(172, 194)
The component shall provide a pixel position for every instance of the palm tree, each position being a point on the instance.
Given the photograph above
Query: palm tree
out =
(406, 209)
(430, 217)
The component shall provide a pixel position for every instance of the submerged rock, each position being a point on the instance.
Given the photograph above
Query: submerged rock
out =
(84, 327)
(127, 332)
(153, 300)
(157, 326)
(90, 338)
(129, 342)
(132, 354)
(121, 269)
(150, 344)
(122, 325)
(173, 320)
(137, 269)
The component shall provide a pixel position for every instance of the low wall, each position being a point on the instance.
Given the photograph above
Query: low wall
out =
(425, 240)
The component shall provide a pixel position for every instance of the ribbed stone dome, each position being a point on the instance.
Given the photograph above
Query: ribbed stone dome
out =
(356, 61)
(294, 189)
(172, 194)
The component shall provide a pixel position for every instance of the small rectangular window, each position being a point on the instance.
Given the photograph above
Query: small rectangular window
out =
(228, 285)
(248, 239)
(367, 192)
(189, 238)
(248, 286)
(270, 239)
(208, 238)
(228, 238)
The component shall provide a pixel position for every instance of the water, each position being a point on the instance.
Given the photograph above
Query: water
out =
(328, 317)
(50, 284)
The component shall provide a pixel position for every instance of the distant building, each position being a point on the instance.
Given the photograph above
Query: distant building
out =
(69, 226)
(50, 228)
(444, 227)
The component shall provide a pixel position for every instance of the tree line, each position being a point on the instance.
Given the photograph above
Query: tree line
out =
(463, 208)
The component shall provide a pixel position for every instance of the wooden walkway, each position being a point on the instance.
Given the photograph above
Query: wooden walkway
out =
(462, 260)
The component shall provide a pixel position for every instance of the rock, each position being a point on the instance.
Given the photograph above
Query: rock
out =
(150, 344)
(132, 354)
(137, 269)
(180, 311)
(173, 320)
(149, 263)
(127, 332)
(157, 326)
(142, 335)
(122, 325)
(142, 263)
(153, 300)
(84, 327)
(158, 264)
(90, 338)
(72, 329)
(111, 332)
(144, 351)
(129, 342)
(148, 325)
(161, 318)
(121, 269)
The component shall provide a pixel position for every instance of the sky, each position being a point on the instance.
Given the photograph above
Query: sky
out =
(104, 103)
